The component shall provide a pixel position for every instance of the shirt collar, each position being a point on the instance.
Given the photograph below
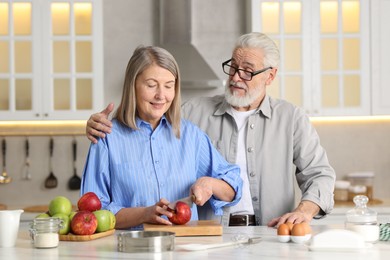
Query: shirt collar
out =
(264, 108)
(141, 123)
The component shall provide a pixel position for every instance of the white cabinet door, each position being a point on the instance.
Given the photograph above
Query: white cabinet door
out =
(380, 52)
(324, 47)
(52, 66)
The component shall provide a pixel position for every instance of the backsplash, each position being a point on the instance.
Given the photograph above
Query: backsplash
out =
(350, 146)
(33, 192)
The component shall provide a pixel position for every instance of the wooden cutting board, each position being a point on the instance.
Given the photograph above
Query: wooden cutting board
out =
(72, 237)
(41, 208)
(192, 228)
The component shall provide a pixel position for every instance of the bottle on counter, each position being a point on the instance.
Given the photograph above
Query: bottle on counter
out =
(363, 220)
(45, 232)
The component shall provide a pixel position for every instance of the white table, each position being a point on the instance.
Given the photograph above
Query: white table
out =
(268, 248)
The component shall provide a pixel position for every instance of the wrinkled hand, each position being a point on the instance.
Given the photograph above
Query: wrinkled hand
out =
(305, 212)
(153, 213)
(98, 124)
(202, 189)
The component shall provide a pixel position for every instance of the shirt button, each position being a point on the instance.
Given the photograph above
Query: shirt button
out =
(156, 162)
(252, 126)
(255, 199)
(251, 149)
(252, 174)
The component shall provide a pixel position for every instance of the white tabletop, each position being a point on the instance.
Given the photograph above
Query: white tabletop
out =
(268, 248)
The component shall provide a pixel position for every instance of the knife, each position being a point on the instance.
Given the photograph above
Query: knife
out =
(187, 200)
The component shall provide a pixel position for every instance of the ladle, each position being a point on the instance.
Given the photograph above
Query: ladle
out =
(4, 178)
(51, 180)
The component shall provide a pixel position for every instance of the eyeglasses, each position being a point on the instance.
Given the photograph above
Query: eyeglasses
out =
(243, 74)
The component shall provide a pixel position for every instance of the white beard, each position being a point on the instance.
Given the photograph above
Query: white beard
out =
(245, 101)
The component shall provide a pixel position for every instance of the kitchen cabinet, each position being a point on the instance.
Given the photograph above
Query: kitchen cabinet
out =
(380, 53)
(325, 53)
(51, 65)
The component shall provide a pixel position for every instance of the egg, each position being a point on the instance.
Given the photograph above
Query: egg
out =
(307, 228)
(283, 230)
(290, 225)
(298, 230)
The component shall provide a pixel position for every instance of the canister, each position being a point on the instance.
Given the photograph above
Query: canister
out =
(341, 190)
(45, 232)
(365, 179)
(363, 220)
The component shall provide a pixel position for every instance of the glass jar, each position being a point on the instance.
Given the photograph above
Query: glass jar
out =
(341, 190)
(45, 232)
(363, 220)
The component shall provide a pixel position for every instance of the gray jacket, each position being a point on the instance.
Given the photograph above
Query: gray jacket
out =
(282, 146)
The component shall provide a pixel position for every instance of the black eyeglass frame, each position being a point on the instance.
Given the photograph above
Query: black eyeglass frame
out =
(254, 73)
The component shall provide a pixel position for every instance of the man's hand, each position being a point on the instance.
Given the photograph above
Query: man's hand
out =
(305, 212)
(99, 125)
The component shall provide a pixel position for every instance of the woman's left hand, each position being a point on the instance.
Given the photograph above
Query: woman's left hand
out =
(202, 189)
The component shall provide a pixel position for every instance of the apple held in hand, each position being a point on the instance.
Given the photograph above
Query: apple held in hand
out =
(181, 214)
(89, 202)
(83, 223)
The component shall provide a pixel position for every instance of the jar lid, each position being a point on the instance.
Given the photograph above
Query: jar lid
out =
(357, 188)
(361, 214)
(361, 175)
(342, 184)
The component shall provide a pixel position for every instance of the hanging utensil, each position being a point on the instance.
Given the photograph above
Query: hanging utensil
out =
(4, 178)
(51, 181)
(75, 181)
(27, 173)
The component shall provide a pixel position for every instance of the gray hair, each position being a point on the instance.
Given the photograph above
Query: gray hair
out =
(142, 58)
(262, 41)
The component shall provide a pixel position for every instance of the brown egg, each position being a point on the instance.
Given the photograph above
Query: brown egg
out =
(307, 228)
(290, 225)
(283, 230)
(298, 230)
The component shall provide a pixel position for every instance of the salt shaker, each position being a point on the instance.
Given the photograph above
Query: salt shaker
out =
(45, 232)
(363, 220)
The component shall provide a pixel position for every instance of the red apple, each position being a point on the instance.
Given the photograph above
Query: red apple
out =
(181, 213)
(83, 223)
(89, 202)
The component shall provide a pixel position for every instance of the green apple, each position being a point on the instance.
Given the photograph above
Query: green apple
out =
(43, 215)
(65, 229)
(60, 204)
(71, 215)
(112, 220)
(104, 219)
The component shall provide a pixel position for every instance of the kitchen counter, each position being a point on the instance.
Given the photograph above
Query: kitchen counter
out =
(268, 248)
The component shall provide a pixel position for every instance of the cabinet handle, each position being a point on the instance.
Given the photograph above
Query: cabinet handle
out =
(45, 114)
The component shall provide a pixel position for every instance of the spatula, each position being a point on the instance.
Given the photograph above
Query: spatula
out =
(4, 178)
(51, 181)
(75, 181)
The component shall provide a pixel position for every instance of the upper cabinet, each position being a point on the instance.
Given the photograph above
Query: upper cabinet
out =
(51, 63)
(380, 53)
(333, 62)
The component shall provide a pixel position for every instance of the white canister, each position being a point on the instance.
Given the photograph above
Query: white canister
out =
(363, 220)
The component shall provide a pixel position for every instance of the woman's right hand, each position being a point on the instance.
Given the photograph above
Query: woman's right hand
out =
(98, 124)
(153, 213)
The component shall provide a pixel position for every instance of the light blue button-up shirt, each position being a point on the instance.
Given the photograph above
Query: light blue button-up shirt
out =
(136, 168)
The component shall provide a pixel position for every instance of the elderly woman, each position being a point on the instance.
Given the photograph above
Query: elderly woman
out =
(153, 156)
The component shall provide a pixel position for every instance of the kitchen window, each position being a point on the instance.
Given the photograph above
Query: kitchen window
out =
(324, 47)
(51, 65)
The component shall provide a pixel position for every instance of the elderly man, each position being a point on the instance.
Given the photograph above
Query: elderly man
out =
(271, 140)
